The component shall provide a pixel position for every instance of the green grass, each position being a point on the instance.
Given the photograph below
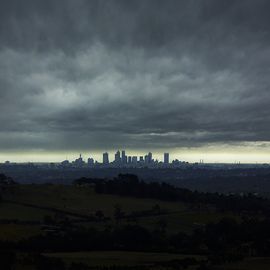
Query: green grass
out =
(183, 221)
(22, 213)
(14, 232)
(108, 258)
(83, 200)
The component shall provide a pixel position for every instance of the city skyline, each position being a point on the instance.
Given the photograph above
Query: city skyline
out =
(188, 156)
(122, 160)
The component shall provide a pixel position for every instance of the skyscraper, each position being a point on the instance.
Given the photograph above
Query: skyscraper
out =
(79, 161)
(90, 161)
(166, 158)
(117, 157)
(134, 160)
(146, 159)
(105, 158)
(150, 157)
(124, 157)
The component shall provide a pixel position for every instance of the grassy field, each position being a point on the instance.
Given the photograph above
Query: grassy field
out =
(22, 213)
(24, 207)
(184, 221)
(247, 264)
(125, 258)
(15, 232)
(84, 201)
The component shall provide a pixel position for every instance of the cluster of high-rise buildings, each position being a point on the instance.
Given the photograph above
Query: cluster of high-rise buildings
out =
(122, 160)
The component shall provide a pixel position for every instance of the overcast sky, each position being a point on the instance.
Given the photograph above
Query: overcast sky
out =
(85, 75)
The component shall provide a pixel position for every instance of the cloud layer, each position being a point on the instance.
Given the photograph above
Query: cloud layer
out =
(135, 74)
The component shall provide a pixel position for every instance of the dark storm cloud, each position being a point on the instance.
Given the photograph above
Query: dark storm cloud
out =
(105, 74)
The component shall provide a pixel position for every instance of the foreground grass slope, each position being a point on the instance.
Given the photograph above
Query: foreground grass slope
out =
(81, 199)
(247, 264)
(31, 203)
(124, 258)
(52, 210)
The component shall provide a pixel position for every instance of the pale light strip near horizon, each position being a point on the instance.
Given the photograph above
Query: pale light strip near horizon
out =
(223, 154)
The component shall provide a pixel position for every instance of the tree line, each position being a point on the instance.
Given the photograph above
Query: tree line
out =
(130, 185)
(225, 241)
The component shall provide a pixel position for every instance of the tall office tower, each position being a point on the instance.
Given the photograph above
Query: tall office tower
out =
(166, 158)
(90, 162)
(105, 158)
(150, 157)
(134, 160)
(79, 161)
(146, 159)
(141, 159)
(117, 157)
(129, 159)
(124, 157)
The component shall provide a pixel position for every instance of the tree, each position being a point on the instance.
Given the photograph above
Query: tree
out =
(156, 209)
(78, 266)
(118, 213)
(162, 224)
(7, 259)
(99, 214)
(48, 220)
